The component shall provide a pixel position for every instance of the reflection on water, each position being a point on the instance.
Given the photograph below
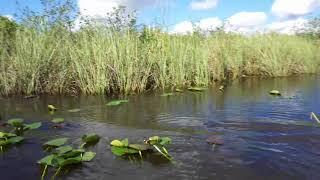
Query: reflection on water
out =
(265, 137)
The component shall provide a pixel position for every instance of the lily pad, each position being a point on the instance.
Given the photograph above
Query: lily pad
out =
(15, 140)
(32, 126)
(88, 156)
(196, 89)
(52, 108)
(91, 138)
(178, 90)
(139, 147)
(70, 161)
(74, 110)
(56, 142)
(64, 149)
(48, 160)
(73, 153)
(16, 122)
(120, 151)
(117, 102)
(275, 92)
(58, 120)
(117, 143)
(6, 135)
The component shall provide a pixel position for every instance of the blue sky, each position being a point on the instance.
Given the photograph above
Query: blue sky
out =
(180, 15)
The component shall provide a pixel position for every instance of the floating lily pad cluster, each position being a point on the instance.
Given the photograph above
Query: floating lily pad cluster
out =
(64, 155)
(20, 127)
(122, 147)
(7, 139)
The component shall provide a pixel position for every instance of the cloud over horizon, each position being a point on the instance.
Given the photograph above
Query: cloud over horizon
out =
(203, 4)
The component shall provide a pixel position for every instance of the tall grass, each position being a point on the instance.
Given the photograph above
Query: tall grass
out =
(97, 60)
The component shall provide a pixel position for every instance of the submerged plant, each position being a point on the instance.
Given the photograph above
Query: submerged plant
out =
(21, 127)
(122, 147)
(160, 143)
(63, 156)
(117, 102)
(7, 139)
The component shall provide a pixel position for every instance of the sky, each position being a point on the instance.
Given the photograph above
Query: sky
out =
(182, 16)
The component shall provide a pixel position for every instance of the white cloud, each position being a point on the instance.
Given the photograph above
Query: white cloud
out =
(246, 22)
(294, 8)
(287, 27)
(183, 27)
(203, 4)
(209, 24)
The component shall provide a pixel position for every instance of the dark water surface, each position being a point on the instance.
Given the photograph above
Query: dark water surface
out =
(265, 137)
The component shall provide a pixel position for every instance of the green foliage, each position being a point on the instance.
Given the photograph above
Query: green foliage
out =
(116, 102)
(58, 120)
(21, 127)
(55, 142)
(90, 139)
(7, 139)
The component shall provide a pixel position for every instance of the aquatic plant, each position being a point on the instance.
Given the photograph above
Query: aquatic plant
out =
(74, 110)
(159, 144)
(196, 89)
(21, 127)
(63, 155)
(122, 147)
(52, 108)
(275, 92)
(7, 139)
(117, 102)
(58, 120)
(89, 139)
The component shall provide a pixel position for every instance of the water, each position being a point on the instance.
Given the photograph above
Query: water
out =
(265, 137)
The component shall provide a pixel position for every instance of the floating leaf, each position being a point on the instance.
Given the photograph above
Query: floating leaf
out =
(15, 140)
(139, 147)
(88, 156)
(117, 143)
(6, 135)
(73, 153)
(196, 89)
(47, 160)
(16, 122)
(64, 149)
(275, 92)
(58, 120)
(165, 140)
(32, 126)
(52, 108)
(70, 161)
(4, 142)
(167, 94)
(91, 138)
(56, 142)
(120, 151)
(117, 102)
(74, 110)
(125, 142)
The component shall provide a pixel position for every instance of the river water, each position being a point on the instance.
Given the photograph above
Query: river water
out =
(265, 137)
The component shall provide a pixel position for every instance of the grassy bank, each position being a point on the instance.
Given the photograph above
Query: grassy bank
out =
(98, 60)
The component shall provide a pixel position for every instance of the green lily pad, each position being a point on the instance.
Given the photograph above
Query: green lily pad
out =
(88, 156)
(15, 140)
(139, 147)
(48, 160)
(167, 94)
(275, 92)
(16, 122)
(117, 143)
(178, 90)
(125, 142)
(196, 89)
(73, 153)
(64, 149)
(4, 142)
(74, 110)
(6, 135)
(120, 151)
(56, 142)
(91, 138)
(117, 102)
(165, 140)
(32, 126)
(52, 108)
(58, 120)
(70, 161)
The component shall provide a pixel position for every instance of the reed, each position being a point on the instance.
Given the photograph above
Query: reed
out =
(97, 60)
